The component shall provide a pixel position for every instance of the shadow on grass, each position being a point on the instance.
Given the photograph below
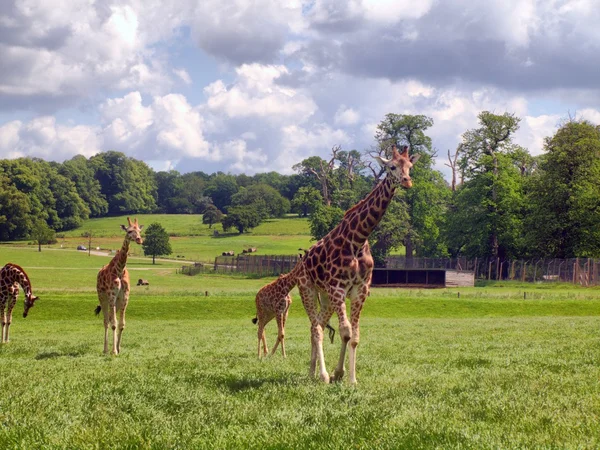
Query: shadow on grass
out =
(51, 355)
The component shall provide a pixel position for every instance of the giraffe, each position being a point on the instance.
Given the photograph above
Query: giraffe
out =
(11, 276)
(340, 266)
(273, 301)
(113, 287)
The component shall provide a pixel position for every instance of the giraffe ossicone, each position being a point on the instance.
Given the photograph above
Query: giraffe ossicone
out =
(113, 287)
(340, 266)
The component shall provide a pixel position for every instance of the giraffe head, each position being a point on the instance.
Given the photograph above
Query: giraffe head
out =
(133, 231)
(399, 166)
(29, 302)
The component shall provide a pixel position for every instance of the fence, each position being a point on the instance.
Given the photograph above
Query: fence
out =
(583, 271)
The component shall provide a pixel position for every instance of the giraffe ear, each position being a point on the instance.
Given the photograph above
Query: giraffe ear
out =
(140, 227)
(123, 227)
(414, 158)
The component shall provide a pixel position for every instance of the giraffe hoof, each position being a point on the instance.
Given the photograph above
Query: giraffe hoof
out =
(325, 378)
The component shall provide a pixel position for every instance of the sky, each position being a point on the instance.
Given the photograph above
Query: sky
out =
(245, 86)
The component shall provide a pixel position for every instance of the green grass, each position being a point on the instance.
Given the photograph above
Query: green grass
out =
(486, 370)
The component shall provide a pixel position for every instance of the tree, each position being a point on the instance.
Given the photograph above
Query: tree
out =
(563, 199)
(324, 219)
(42, 234)
(306, 200)
(264, 198)
(80, 171)
(212, 215)
(391, 231)
(426, 202)
(486, 216)
(156, 242)
(220, 189)
(241, 217)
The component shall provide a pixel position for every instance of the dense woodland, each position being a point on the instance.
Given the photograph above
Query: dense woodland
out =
(500, 202)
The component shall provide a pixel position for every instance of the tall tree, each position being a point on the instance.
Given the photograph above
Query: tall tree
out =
(427, 201)
(80, 171)
(265, 199)
(486, 218)
(156, 242)
(212, 215)
(42, 234)
(306, 200)
(220, 189)
(563, 219)
(243, 218)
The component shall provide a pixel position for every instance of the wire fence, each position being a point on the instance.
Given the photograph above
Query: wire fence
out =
(582, 271)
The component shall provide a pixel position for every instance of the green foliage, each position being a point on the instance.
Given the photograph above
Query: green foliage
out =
(15, 210)
(306, 200)
(42, 234)
(80, 171)
(212, 215)
(156, 242)
(220, 189)
(263, 198)
(243, 218)
(391, 231)
(426, 202)
(127, 184)
(564, 197)
(486, 218)
(324, 219)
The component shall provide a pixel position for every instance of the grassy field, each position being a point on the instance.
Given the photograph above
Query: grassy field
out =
(486, 370)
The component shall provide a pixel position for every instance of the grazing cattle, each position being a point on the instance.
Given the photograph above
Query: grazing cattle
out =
(142, 282)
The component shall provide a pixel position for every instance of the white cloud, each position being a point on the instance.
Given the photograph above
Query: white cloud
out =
(43, 137)
(392, 11)
(256, 94)
(183, 75)
(346, 116)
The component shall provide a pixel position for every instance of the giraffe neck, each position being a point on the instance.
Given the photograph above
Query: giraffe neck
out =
(120, 259)
(289, 280)
(362, 219)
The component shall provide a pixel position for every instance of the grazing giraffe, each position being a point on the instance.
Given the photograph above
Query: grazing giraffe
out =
(11, 276)
(340, 265)
(273, 301)
(113, 287)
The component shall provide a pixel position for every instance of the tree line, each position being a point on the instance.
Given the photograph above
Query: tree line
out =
(501, 201)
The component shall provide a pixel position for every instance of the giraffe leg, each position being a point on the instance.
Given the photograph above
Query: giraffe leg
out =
(262, 339)
(356, 308)
(284, 320)
(3, 300)
(309, 300)
(279, 319)
(11, 304)
(337, 299)
(122, 303)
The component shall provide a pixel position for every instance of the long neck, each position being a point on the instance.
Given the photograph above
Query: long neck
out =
(289, 280)
(23, 280)
(120, 259)
(362, 219)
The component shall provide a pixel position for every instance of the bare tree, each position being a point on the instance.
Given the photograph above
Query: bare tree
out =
(453, 164)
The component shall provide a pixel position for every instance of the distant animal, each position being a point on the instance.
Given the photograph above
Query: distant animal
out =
(142, 282)
(11, 277)
(229, 253)
(249, 250)
(113, 287)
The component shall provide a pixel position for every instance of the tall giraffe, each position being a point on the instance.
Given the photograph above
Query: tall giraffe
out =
(113, 287)
(340, 265)
(11, 277)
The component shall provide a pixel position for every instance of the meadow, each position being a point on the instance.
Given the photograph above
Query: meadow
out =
(486, 370)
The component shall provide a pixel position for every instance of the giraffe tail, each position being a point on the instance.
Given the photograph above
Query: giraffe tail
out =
(98, 309)
(331, 332)
(255, 320)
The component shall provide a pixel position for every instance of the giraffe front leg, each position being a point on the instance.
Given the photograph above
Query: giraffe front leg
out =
(2, 317)
(337, 299)
(262, 339)
(279, 320)
(316, 333)
(8, 318)
(356, 308)
(122, 302)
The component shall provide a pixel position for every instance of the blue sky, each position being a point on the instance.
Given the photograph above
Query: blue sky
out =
(242, 86)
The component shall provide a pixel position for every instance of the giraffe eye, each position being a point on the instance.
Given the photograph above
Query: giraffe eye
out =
(393, 168)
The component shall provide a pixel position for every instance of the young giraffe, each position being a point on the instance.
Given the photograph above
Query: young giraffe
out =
(113, 287)
(340, 265)
(11, 277)
(273, 301)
